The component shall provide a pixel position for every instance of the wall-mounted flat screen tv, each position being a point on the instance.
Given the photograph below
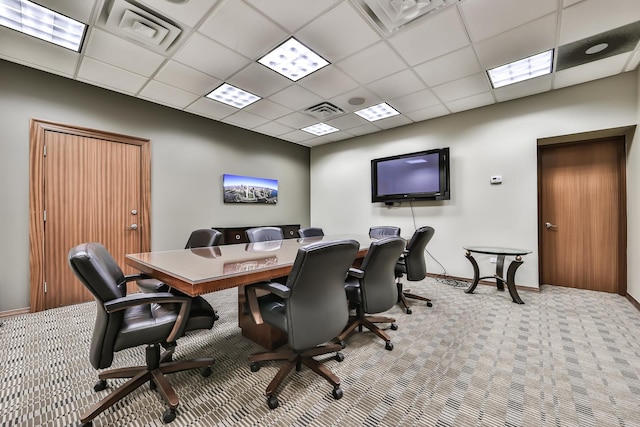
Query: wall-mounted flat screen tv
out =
(422, 175)
(247, 189)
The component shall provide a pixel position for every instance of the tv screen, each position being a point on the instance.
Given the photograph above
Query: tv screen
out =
(414, 176)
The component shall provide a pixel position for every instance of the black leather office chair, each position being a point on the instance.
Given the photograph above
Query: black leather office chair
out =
(383, 231)
(124, 321)
(201, 238)
(372, 288)
(311, 307)
(413, 265)
(311, 232)
(264, 234)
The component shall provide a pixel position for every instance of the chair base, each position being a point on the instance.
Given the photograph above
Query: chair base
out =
(295, 359)
(404, 294)
(154, 372)
(369, 322)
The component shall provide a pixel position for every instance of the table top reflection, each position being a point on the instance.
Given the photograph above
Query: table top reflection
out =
(200, 270)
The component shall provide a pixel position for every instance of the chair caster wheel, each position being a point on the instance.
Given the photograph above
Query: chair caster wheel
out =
(429, 304)
(152, 385)
(339, 357)
(87, 424)
(337, 393)
(394, 327)
(255, 367)
(388, 346)
(100, 385)
(342, 344)
(408, 310)
(272, 402)
(168, 416)
(206, 371)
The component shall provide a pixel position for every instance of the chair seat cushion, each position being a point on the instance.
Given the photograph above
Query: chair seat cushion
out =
(272, 309)
(152, 285)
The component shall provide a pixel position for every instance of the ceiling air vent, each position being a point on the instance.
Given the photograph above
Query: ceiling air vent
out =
(324, 111)
(131, 21)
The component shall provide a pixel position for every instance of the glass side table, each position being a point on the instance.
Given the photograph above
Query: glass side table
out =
(499, 277)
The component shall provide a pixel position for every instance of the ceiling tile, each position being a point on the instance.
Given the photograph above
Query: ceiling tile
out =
(211, 58)
(241, 28)
(78, 10)
(107, 48)
(525, 88)
(27, 50)
(110, 77)
(365, 129)
(385, 59)
(462, 88)
(187, 12)
(167, 95)
(347, 121)
(296, 98)
(452, 66)
(393, 122)
(594, 16)
(268, 109)
(428, 113)
(438, 34)
(328, 82)
(298, 136)
(210, 108)
(338, 33)
(292, 18)
(259, 80)
(178, 75)
(273, 128)
(369, 97)
(414, 101)
(397, 85)
(486, 18)
(591, 71)
(245, 119)
(471, 102)
(297, 120)
(530, 39)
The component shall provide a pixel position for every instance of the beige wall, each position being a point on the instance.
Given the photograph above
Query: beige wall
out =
(495, 140)
(189, 155)
(633, 205)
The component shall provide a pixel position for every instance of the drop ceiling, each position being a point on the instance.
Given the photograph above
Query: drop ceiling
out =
(174, 52)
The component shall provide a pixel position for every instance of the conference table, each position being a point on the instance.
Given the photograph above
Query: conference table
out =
(198, 271)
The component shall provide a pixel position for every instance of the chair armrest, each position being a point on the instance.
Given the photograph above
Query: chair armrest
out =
(139, 276)
(138, 299)
(356, 272)
(252, 297)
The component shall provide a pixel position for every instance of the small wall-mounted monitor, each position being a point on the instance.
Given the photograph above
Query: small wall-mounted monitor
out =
(422, 175)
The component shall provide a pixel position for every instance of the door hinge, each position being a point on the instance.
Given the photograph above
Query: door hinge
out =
(44, 151)
(45, 287)
(45, 216)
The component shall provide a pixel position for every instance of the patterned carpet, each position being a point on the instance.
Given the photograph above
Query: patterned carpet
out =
(565, 358)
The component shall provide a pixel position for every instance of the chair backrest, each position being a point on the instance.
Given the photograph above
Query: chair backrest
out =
(264, 234)
(310, 232)
(101, 275)
(203, 238)
(378, 288)
(416, 267)
(383, 231)
(317, 309)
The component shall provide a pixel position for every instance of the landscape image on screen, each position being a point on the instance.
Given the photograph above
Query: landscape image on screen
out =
(247, 189)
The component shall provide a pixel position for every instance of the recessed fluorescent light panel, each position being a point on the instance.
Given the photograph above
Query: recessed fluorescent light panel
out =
(40, 22)
(377, 112)
(233, 96)
(524, 69)
(320, 129)
(293, 60)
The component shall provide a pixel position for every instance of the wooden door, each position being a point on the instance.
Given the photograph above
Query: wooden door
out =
(92, 189)
(582, 213)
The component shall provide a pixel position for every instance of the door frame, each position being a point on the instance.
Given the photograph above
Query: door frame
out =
(36, 195)
(626, 134)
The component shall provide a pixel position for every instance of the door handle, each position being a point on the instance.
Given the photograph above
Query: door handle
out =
(133, 227)
(549, 225)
